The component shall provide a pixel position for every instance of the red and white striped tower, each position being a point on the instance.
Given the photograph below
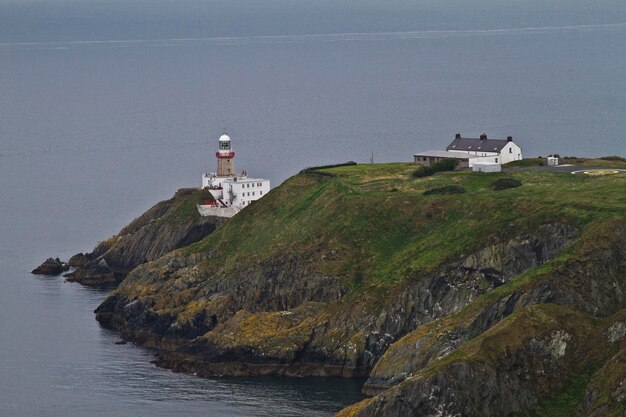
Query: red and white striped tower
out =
(225, 157)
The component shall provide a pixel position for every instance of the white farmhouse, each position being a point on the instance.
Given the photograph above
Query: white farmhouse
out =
(498, 151)
(231, 191)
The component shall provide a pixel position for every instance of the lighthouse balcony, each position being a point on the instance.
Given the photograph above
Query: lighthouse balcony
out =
(225, 154)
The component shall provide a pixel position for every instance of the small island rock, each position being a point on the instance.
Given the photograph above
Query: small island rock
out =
(51, 266)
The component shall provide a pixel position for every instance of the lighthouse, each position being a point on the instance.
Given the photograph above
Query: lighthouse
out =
(231, 191)
(225, 157)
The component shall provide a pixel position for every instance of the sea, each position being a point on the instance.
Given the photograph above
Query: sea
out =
(107, 107)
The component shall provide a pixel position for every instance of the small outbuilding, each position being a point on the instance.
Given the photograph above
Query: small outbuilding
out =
(486, 167)
(430, 157)
(552, 160)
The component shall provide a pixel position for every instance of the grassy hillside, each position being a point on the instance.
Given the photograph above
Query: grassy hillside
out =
(358, 270)
(382, 227)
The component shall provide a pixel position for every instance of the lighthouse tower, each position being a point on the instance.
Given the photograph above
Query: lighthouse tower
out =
(225, 157)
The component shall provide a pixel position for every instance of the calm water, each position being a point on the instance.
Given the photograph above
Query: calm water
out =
(56, 361)
(107, 107)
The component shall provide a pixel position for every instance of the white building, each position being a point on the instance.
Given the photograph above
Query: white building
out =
(231, 191)
(497, 151)
(552, 160)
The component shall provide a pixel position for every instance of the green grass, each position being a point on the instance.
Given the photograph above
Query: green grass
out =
(377, 219)
(450, 189)
(185, 202)
(526, 162)
(504, 184)
(604, 162)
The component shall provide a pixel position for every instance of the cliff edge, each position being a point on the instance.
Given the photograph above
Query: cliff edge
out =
(168, 225)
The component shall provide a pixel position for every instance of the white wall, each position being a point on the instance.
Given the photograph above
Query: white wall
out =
(476, 153)
(486, 167)
(210, 179)
(206, 211)
(247, 190)
(510, 152)
(492, 159)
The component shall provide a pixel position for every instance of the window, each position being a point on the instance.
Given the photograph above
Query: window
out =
(510, 150)
(260, 192)
(252, 192)
(496, 160)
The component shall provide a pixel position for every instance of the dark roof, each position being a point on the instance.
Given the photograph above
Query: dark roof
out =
(477, 144)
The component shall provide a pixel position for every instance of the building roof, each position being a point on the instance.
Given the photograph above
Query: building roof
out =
(482, 144)
(445, 154)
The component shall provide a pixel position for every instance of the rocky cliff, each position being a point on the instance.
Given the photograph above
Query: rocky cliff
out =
(168, 225)
(484, 303)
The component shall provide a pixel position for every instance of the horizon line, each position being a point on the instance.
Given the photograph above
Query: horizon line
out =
(326, 37)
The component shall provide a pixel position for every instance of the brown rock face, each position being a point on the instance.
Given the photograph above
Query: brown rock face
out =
(79, 260)
(167, 226)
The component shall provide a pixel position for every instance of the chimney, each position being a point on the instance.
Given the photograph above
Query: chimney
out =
(509, 138)
(457, 136)
(483, 136)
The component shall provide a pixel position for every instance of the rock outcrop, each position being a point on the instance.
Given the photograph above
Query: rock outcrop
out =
(51, 266)
(508, 369)
(169, 225)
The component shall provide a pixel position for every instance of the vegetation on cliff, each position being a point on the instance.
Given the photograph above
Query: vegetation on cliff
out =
(519, 292)
(168, 225)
